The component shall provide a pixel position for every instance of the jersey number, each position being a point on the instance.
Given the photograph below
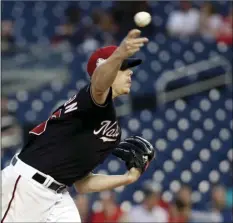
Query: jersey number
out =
(38, 130)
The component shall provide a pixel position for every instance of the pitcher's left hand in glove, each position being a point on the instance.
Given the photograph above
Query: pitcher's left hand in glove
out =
(136, 152)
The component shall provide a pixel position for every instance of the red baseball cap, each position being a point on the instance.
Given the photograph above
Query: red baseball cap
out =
(100, 55)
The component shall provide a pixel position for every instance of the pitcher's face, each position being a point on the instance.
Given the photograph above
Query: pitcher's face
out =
(122, 82)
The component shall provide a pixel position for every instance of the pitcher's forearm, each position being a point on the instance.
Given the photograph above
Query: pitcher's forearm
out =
(98, 182)
(104, 75)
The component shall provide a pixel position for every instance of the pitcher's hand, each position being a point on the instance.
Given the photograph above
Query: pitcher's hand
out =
(133, 174)
(131, 44)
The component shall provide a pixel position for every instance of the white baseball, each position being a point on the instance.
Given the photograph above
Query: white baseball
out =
(142, 19)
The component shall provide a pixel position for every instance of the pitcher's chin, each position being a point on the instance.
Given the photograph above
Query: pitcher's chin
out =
(127, 90)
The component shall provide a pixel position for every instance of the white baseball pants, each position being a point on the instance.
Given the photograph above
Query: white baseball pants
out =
(25, 200)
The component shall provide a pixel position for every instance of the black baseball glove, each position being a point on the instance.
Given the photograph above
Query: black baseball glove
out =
(136, 152)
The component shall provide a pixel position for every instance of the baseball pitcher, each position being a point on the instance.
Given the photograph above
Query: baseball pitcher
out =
(75, 139)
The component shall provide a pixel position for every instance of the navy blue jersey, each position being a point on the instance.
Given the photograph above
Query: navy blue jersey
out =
(77, 137)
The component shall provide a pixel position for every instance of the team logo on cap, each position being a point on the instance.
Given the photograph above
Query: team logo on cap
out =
(99, 61)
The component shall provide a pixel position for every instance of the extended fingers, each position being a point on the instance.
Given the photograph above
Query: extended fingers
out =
(133, 37)
(139, 40)
(134, 33)
(133, 42)
(136, 42)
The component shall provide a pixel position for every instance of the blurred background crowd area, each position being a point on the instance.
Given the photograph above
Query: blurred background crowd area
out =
(181, 98)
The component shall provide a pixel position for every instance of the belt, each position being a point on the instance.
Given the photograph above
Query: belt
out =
(39, 178)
